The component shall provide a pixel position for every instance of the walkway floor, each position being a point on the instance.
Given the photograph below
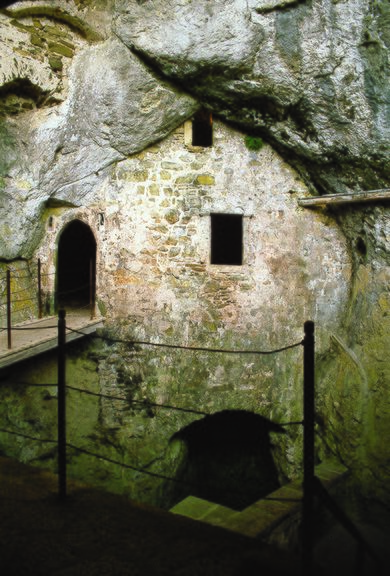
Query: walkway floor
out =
(34, 337)
(95, 533)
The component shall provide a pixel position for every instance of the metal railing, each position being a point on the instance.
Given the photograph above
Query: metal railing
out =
(35, 303)
(312, 486)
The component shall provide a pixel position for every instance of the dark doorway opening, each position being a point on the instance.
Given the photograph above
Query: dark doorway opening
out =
(228, 459)
(202, 129)
(76, 266)
(226, 239)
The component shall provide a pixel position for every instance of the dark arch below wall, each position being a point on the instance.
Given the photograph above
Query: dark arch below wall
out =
(76, 266)
(227, 459)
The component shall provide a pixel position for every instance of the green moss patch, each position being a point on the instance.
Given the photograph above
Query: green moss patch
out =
(254, 143)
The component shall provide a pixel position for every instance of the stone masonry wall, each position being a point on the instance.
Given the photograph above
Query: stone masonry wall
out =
(151, 221)
(77, 103)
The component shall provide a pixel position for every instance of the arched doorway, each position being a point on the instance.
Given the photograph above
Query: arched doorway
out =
(76, 267)
(225, 458)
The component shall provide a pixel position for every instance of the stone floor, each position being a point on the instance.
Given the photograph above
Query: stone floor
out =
(93, 533)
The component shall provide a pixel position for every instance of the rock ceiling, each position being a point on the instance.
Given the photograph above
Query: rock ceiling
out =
(83, 84)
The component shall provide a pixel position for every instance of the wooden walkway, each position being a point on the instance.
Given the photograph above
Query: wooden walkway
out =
(32, 338)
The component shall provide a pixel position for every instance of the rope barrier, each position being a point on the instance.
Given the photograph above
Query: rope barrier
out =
(141, 470)
(22, 328)
(224, 351)
(148, 404)
(83, 307)
(19, 310)
(73, 290)
(30, 287)
(17, 277)
(22, 300)
(33, 274)
(311, 484)
(33, 385)
(28, 436)
(10, 297)
(181, 347)
(129, 466)
(144, 403)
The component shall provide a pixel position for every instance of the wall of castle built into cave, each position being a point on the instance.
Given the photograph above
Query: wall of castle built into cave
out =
(151, 217)
(152, 224)
(154, 281)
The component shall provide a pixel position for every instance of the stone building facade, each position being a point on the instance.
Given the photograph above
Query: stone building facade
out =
(89, 142)
(151, 222)
(163, 274)
(155, 221)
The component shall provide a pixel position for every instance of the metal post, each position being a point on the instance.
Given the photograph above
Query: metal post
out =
(39, 290)
(91, 288)
(9, 309)
(308, 449)
(61, 406)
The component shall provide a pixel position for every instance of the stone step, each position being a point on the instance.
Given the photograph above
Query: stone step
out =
(205, 511)
(264, 516)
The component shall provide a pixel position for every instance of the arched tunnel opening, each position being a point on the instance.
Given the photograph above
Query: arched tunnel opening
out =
(226, 458)
(76, 266)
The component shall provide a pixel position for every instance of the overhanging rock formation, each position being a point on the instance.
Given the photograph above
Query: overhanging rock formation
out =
(311, 77)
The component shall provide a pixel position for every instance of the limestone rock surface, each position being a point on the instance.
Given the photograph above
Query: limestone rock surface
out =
(311, 76)
(59, 155)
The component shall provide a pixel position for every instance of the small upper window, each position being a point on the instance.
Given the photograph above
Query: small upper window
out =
(202, 129)
(226, 239)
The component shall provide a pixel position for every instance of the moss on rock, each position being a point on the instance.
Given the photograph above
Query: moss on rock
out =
(56, 14)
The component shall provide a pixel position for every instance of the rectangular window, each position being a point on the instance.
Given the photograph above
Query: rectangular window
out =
(202, 129)
(226, 239)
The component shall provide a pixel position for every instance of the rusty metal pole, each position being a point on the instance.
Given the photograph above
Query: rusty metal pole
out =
(308, 449)
(9, 310)
(61, 405)
(39, 290)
